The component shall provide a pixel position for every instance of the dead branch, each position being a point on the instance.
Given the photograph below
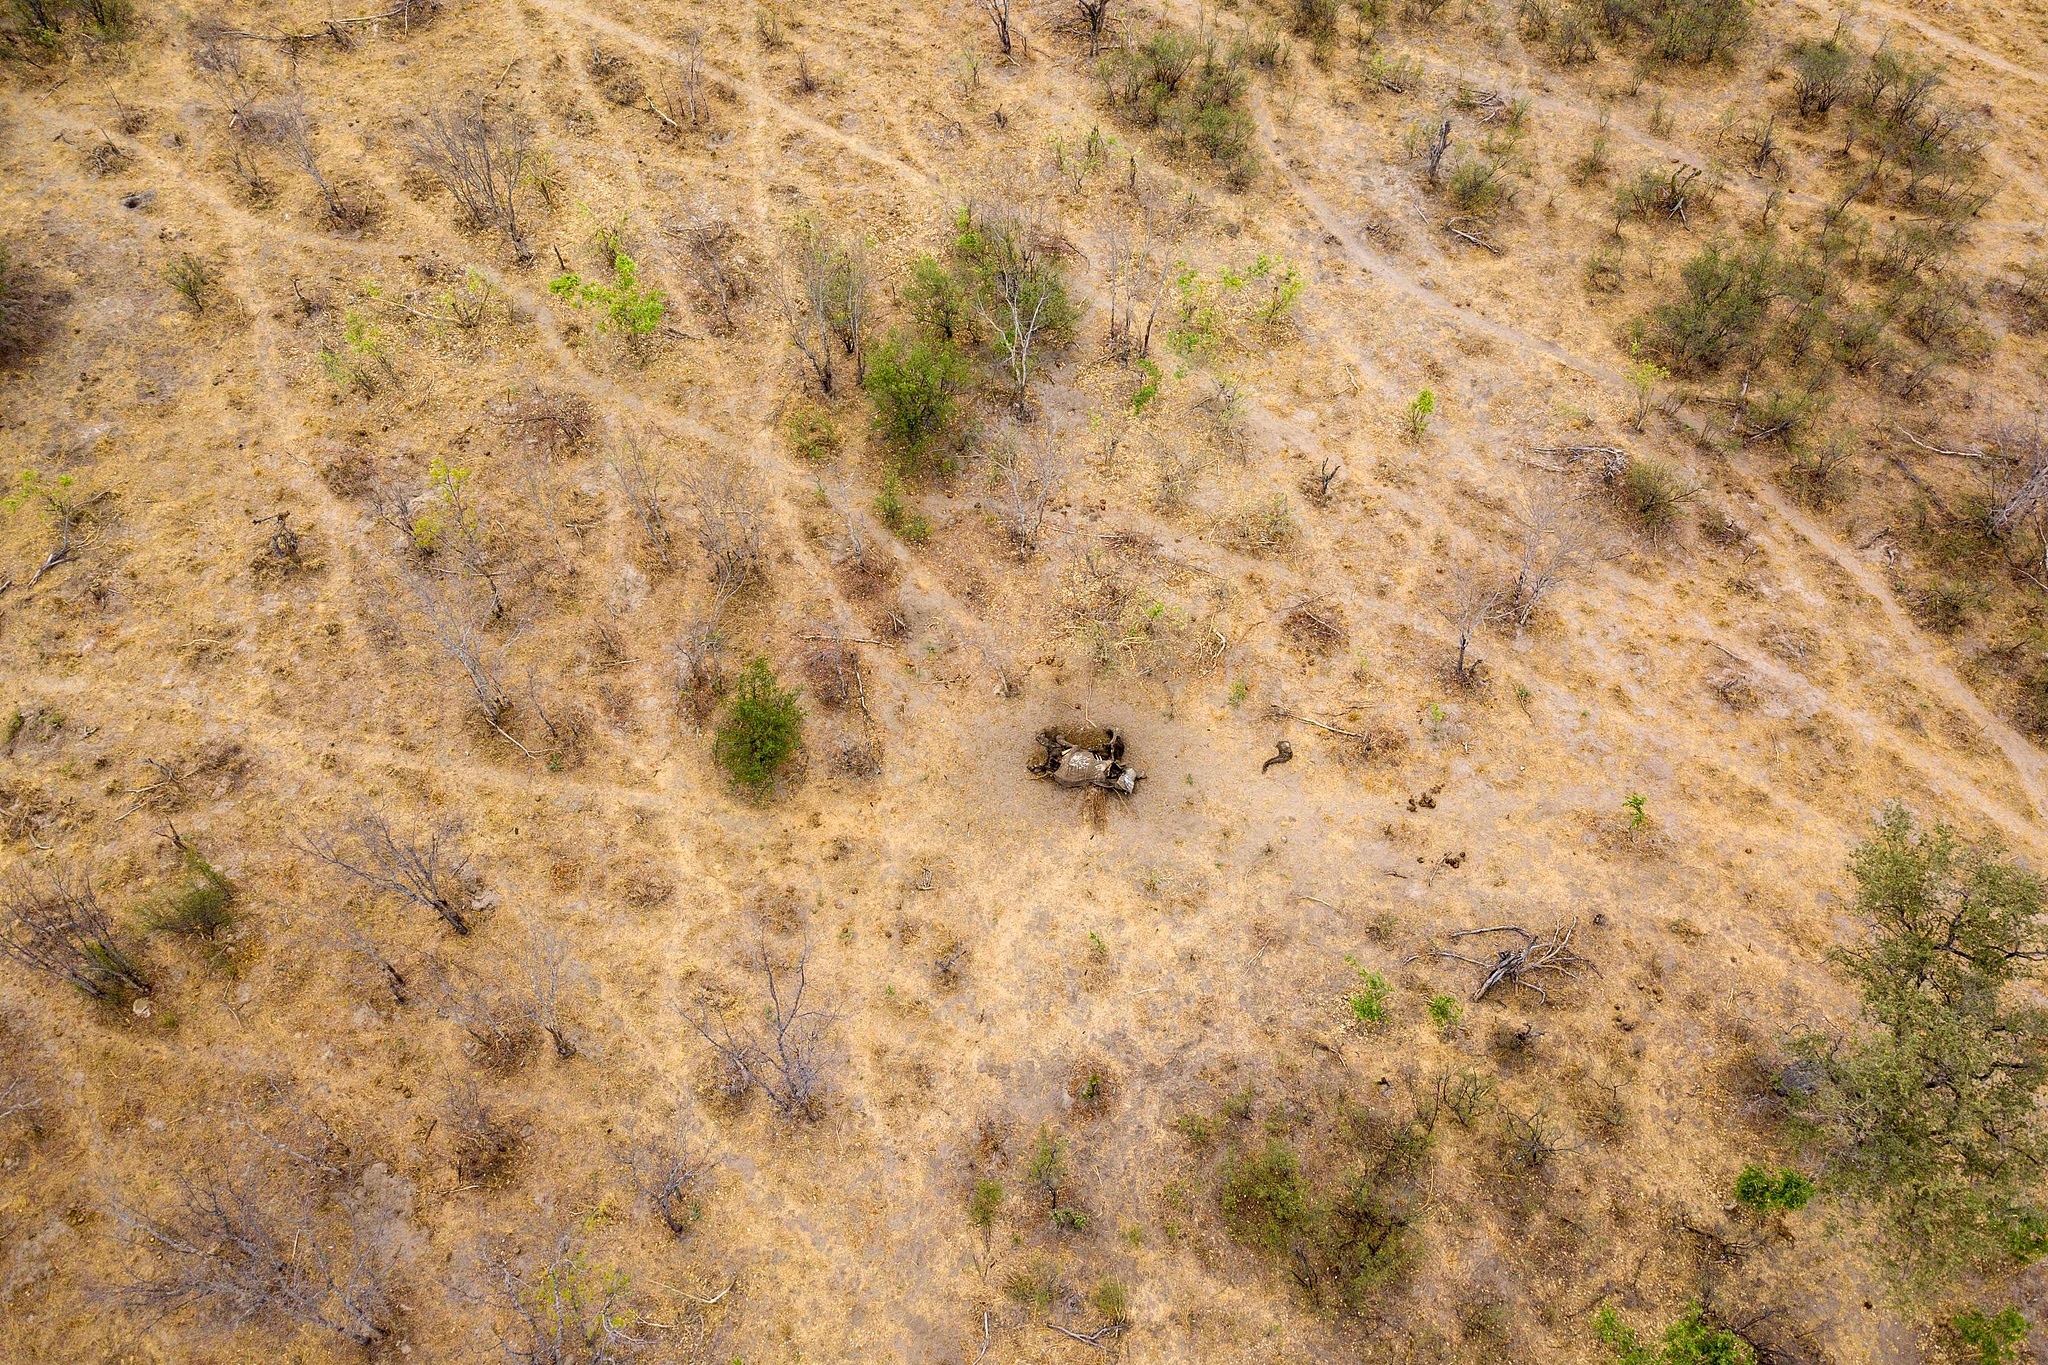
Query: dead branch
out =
(1515, 966)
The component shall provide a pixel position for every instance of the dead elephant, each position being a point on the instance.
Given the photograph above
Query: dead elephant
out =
(1090, 757)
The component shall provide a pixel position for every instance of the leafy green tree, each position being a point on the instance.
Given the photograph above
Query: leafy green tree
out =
(914, 383)
(1930, 1111)
(939, 299)
(762, 729)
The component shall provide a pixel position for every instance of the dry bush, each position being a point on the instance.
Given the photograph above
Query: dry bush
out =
(554, 1307)
(27, 310)
(731, 531)
(670, 1173)
(484, 158)
(55, 924)
(486, 1139)
(834, 674)
(613, 75)
(787, 1058)
(495, 1020)
(1262, 525)
(554, 422)
(256, 1249)
(427, 870)
(716, 250)
(1315, 628)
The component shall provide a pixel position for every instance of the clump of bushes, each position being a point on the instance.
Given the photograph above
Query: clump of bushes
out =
(1193, 90)
(1691, 1339)
(1346, 1233)
(762, 731)
(1786, 1191)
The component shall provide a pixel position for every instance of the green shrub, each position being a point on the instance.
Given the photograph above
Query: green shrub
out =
(1785, 1192)
(900, 516)
(199, 910)
(1421, 410)
(763, 727)
(1930, 1112)
(1651, 492)
(913, 383)
(1820, 74)
(192, 279)
(1445, 1012)
(1728, 294)
(1193, 91)
(2000, 1339)
(1690, 1340)
(1369, 1001)
(1112, 1300)
(628, 308)
(984, 1204)
(940, 301)
(1264, 1197)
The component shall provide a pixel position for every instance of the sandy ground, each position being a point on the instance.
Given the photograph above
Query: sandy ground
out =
(1187, 945)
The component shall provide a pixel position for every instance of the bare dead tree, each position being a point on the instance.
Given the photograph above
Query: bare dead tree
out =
(546, 972)
(292, 126)
(808, 303)
(553, 1307)
(2021, 489)
(641, 472)
(1434, 144)
(252, 1250)
(19, 1097)
(680, 88)
(731, 531)
(671, 1174)
(1128, 272)
(426, 870)
(496, 1020)
(1470, 600)
(1553, 547)
(483, 157)
(1316, 485)
(55, 924)
(1025, 487)
(457, 625)
(337, 922)
(713, 244)
(1095, 20)
(998, 14)
(785, 1059)
(223, 69)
